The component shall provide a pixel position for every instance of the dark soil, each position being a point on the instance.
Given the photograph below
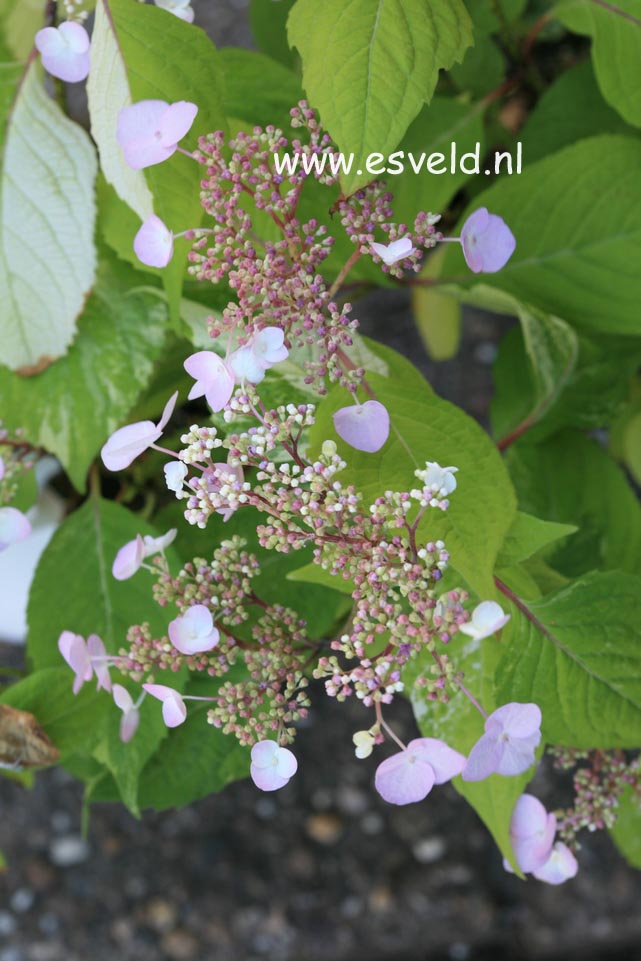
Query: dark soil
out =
(323, 870)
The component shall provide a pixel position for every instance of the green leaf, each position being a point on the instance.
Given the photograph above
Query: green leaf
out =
(437, 315)
(47, 217)
(73, 406)
(616, 49)
(626, 832)
(268, 21)
(194, 761)
(570, 110)
(527, 536)
(21, 22)
(576, 216)
(482, 69)
(257, 89)
(71, 721)
(577, 654)
(424, 427)
(74, 589)
(141, 53)
(445, 122)
(572, 480)
(370, 66)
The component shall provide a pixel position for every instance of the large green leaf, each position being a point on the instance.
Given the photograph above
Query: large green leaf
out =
(370, 65)
(268, 21)
(572, 480)
(140, 53)
(616, 48)
(576, 216)
(20, 21)
(570, 110)
(258, 90)
(577, 654)
(527, 536)
(424, 427)
(47, 217)
(626, 832)
(73, 406)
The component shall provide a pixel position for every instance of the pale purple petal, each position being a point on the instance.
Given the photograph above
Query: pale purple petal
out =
(129, 725)
(154, 243)
(395, 251)
(268, 346)
(129, 559)
(176, 121)
(404, 778)
(213, 378)
(174, 710)
(287, 764)
(484, 759)
(245, 366)
(139, 120)
(267, 778)
(263, 753)
(74, 650)
(364, 427)
(153, 545)
(194, 632)
(487, 618)
(122, 698)
(65, 51)
(532, 832)
(97, 657)
(560, 866)
(444, 760)
(488, 243)
(167, 411)
(14, 527)
(517, 720)
(518, 754)
(127, 443)
(175, 473)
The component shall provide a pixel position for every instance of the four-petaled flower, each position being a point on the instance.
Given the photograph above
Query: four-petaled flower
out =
(65, 51)
(174, 711)
(85, 658)
(265, 349)
(559, 867)
(194, 632)
(512, 735)
(363, 426)
(214, 379)
(397, 250)
(149, 131)
(130, 713)
(488, 243)
(131, 441)
(532, 831)
(271, 765)
(14, 527)
(410, 775)
(488, 617)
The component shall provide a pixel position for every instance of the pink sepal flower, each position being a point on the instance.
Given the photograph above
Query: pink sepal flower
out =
(154, 243)
(532, 832)
(129, 559)
(14, 527)
(214, 379)
(194, 632)
(131, 441)
(363, 426)
(65, 51)
(488, 243)
(130, 713)
(561, 866)
(397, 250)
(149, 131)
(512, 735)
(488, 617)
(410, 775)
(85, 658)
(265, 349)
(272, 766)
(174, 710)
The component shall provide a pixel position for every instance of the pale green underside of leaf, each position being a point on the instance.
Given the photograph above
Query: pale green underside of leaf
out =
(72, 407)
(581, 663)
(576, 216)
(47, 216)
(108, 91)
(369, 65)
(616, 49)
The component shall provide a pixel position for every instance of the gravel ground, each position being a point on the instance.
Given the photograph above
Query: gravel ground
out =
(322, 871)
